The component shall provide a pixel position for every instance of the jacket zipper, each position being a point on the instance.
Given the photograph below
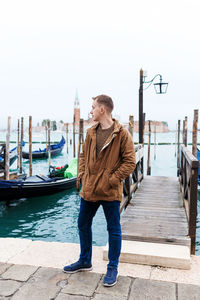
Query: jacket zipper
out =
(106, 145)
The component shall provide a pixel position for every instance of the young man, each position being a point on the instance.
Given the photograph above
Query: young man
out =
(108, 157)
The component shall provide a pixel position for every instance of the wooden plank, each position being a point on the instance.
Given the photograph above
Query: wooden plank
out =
(156, 213)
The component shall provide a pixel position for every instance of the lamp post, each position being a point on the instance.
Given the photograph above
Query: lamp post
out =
(160, 88)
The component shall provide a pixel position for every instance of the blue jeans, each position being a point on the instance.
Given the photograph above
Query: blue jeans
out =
(112, 213)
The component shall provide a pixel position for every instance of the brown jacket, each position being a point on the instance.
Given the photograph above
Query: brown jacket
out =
(102, 176)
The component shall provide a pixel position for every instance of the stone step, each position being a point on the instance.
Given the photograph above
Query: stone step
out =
(153, 254)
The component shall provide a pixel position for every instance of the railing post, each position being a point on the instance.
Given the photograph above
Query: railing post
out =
(185, 132)
(149, 147)
(178, 148)
(194, 133)
(193, 208)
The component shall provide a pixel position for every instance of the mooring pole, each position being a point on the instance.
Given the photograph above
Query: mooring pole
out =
(49, 143)
(30, 146)
(194, 132)
(67, 131)
(131, 125)
(7, 157)
(21, 141)
(185, 131)
(178, 147)
(154, 140)
(74, 138)
(149, 146)
(18, 158)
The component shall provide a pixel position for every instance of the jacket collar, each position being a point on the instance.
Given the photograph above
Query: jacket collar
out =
(117, 128)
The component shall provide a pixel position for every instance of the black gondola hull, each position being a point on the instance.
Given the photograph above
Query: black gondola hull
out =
(28, 190)
(40, 155)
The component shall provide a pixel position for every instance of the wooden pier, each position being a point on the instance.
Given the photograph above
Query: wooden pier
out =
(159, 214)
(156, 214)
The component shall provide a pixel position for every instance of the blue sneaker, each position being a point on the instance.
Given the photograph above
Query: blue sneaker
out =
(110, 278)
(77, 267)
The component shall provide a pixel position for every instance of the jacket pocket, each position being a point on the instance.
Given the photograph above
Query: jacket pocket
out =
(114, 181)
(103, 187)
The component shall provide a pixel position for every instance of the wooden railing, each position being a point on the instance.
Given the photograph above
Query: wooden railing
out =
(131, 183)
(188, 177)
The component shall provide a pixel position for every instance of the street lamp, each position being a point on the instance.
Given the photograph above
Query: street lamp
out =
(160, 88)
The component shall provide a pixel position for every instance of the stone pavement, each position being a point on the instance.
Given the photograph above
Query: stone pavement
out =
(26, 282)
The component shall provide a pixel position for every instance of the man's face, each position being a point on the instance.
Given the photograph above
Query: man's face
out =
(96, 111)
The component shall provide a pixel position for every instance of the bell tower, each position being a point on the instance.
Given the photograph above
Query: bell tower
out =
(76, 109)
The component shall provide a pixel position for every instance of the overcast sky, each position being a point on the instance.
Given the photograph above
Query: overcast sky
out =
(48, 49)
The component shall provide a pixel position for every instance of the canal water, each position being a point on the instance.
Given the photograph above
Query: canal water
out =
(54, 218)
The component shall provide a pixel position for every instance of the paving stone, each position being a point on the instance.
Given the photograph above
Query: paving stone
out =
(8, 287)
(120, 289)
(42, 288)
(62, 296)
(143, 289)
(82, 283)
(19, 272)
(188, 291)
(108, 297)
(49, 273)
(4, 267)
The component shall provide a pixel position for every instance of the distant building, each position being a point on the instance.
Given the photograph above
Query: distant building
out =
(158, 126)
(76, 109)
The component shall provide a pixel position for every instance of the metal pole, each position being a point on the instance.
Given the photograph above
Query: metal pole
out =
(141, 121)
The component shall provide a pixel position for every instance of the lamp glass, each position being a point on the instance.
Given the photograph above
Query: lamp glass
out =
(161, 87)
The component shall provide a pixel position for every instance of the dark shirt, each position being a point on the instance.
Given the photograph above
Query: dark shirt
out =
(102, 135)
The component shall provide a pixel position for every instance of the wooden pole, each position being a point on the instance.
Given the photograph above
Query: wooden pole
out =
(67, 131)
(81, 139)
(194, 132)
(143, 130)
(155, 141)
(131, 125)
(7, 157)
(30, 146)
(46, 131)
(18, 130)
(49, 143)
(80, 143)
(141, 120)
(149, 146)
(21, 141)
(74, 136)
(175, 141)
(178, 147)
(185, 131)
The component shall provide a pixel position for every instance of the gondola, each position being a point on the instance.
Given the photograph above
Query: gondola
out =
(34, 186)
(12, 156)
(44, 153)
(57, 180)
